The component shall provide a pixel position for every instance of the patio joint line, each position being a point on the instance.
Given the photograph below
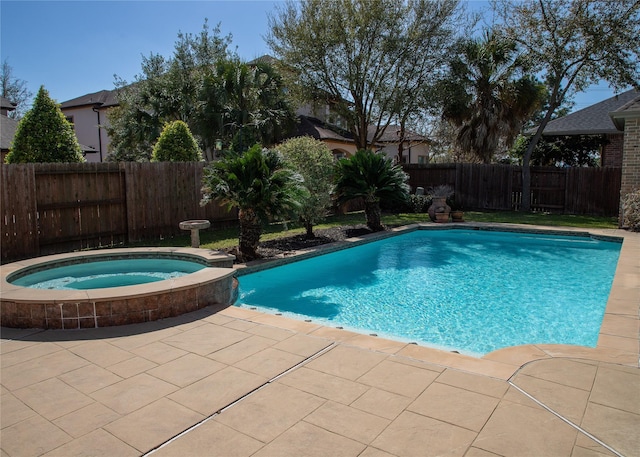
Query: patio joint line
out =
(242, 397)
(564, 419)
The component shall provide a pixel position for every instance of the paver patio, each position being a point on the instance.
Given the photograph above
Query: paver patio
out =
(235, 382)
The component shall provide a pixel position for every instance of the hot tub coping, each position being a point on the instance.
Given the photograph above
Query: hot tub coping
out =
(25, 307)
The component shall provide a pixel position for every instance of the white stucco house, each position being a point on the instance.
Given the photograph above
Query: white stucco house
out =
(88, 114)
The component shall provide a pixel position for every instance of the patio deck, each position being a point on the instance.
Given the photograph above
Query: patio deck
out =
(235, 382)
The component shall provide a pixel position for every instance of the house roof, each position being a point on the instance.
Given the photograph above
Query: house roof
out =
(103, 98)
(8, 128)
(310, 126)
(392, 134)
(315, 128)
(592, 120)
(7, 104)
(630, 109)
(266, 58)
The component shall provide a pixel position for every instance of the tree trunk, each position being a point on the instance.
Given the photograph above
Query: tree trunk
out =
(556, 99)
(401, 144)
(309, 227)
(374, 215)
(250, 232)
(526, 160)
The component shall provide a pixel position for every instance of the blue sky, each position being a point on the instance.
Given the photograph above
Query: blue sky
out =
(75, 47)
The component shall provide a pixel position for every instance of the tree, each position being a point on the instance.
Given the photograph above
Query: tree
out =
(261, 185)
(374, 178)
(244, 104)
(564, 151)
(486, 95)
(572, 44)
(176, 144)
(314, 161)
(219, 97)
(44, 135)
(369, 59)
(166, 90)
(15, 90)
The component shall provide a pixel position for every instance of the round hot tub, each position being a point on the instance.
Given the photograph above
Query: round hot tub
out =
(113, 287)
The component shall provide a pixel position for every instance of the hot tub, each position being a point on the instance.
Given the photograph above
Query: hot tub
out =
(27, 307)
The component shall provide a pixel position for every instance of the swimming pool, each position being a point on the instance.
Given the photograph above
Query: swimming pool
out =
(466, 290)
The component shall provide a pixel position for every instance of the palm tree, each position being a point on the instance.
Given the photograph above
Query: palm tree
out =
(374, 178)
(485, 98)
(243, 104)
(261, 185)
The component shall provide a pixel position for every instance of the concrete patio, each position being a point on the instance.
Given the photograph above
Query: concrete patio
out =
(235, 382)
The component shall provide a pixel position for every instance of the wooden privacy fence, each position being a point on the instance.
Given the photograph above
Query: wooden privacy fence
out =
(588, 191)
(51, 208)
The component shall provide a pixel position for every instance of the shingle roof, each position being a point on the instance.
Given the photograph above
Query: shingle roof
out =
(315, 128)
(7, 104)
(104, 98)
(266, 58)
(392, 134)
(628, 110)
(310, 126)
(594, 119)
(7, 131)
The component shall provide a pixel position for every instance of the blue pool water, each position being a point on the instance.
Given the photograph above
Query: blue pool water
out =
(110, 273)
(464, 290)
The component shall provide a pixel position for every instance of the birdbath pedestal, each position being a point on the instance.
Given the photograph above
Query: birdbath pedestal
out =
(195, 227)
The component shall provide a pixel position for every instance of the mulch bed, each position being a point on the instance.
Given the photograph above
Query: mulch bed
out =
(283, 247)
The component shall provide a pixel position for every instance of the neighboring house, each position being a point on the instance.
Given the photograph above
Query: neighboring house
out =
(595, 120)
(415, 147)
(8, 126)
(627, 119)
(88, 114)
(340, 142)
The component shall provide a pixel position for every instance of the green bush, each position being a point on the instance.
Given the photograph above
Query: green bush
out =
(631, 210)
(314, 161)
(176, 144)
(419, 203)
(44, 135)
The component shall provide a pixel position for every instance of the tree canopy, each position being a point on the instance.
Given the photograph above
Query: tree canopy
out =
(203, 84)
(562, 151)
(15, 90)
(572, 44)
(261, 185)
(370, 59)
(44, 135)
(488, 96)
(166, 90)
(373, 178)
(314, 161)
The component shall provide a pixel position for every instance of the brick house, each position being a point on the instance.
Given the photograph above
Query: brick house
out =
(595, 120)
(627, 119)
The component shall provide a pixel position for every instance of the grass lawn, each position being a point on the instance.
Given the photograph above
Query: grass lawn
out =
(226, 238)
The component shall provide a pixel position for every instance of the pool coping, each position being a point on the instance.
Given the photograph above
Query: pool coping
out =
(618, 341)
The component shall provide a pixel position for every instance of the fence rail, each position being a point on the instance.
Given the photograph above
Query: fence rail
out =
(51, 208)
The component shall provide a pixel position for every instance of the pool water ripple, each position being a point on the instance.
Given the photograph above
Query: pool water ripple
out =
(471, 291)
